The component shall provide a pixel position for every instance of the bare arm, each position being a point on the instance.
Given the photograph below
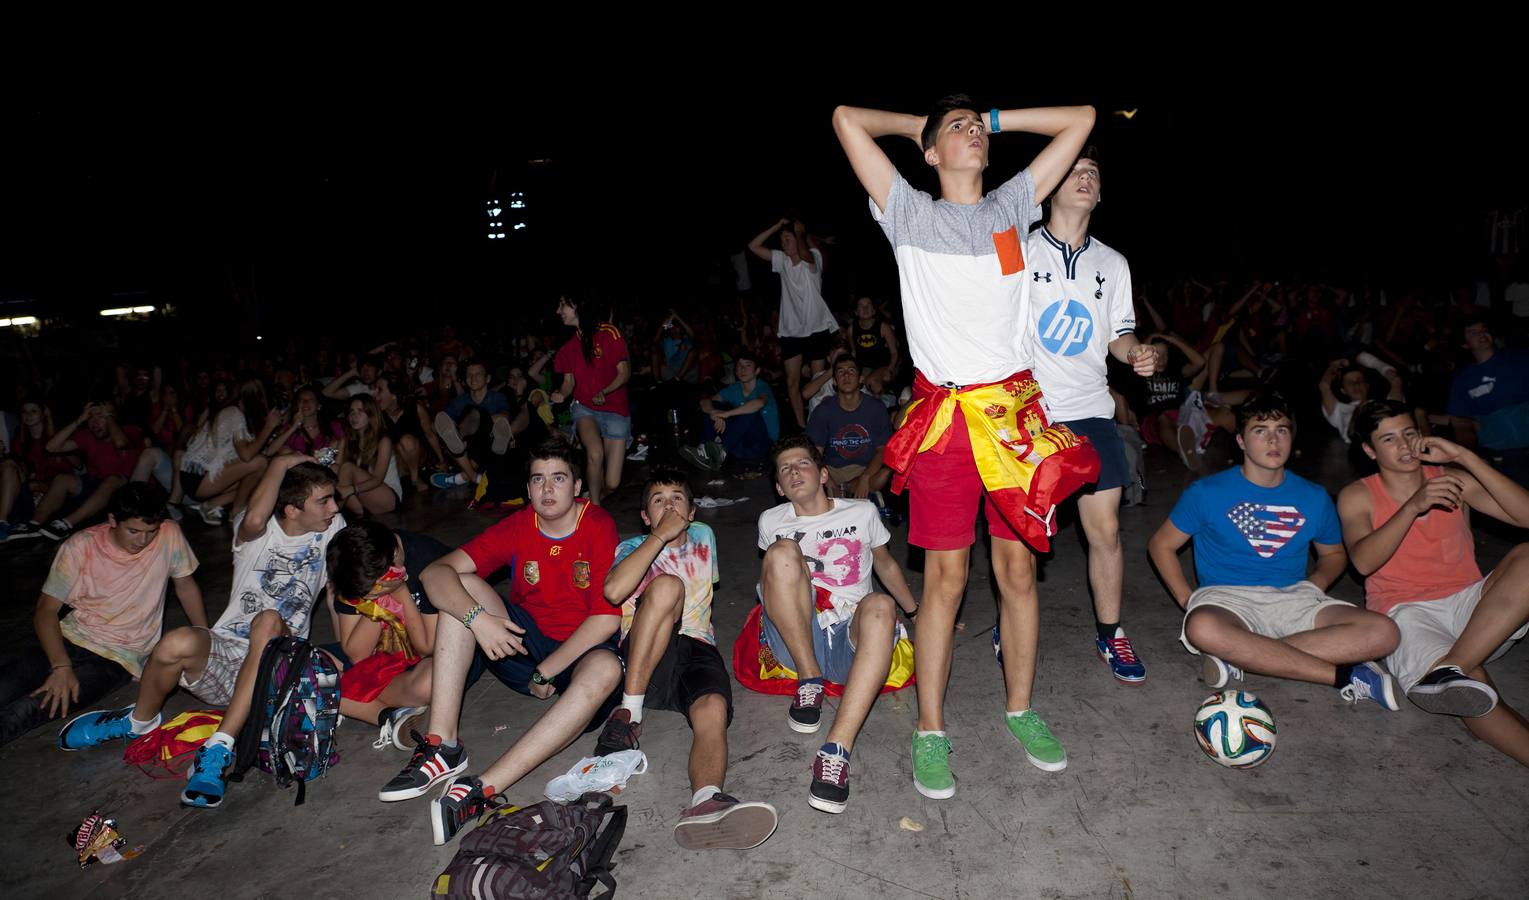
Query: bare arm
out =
(1332, 559)
(595, 630)
(497, 635)
(61, 687)
(816, 382)
(189, 594)
(334, 389)
(858, 130)
(564, 391)
(1164, 549)
(263, 501)
(1482, 486)
(757, 247)
(893, 579)
(1067, 126)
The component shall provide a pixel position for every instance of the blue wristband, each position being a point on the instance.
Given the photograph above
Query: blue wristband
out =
(993, 121)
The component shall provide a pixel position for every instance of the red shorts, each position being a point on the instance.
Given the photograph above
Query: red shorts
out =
(944, 491)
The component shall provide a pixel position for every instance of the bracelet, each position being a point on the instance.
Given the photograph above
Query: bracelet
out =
(993, 121)
(472, 615)
(64, 666)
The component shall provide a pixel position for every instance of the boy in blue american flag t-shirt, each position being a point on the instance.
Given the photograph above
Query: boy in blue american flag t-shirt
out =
(1257, 609)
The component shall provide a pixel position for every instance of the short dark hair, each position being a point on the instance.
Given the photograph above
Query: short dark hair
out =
(358, 555)
(393, 381)
(844, 359)
(554, 447)
(299, 483)
(937, 113)
(749, 355)
(666, 476)
(1263, 407)
(794, 442)
(1371, 413)
(138, 500)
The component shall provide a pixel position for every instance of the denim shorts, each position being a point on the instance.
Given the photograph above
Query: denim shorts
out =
(613, 427)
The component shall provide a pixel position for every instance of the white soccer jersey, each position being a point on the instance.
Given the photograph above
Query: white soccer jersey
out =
(1080, 301)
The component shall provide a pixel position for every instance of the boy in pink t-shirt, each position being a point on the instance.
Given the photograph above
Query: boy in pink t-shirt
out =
(1408, 531)
(112, 577)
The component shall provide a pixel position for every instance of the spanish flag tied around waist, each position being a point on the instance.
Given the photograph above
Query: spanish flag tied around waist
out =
(1028, 465)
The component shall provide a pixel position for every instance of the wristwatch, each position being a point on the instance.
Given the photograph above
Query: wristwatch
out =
(538, 678)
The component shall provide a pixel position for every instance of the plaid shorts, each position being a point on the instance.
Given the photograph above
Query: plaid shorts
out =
(224, 658)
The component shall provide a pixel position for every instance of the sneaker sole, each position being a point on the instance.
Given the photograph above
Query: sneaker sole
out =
(1128, 679)
(402, 728)
(802, 728)
(741, 827)
(1043, 765)
(934, 793)
(200, 804)
(410, 793)
(1387, 697)
(825, 805)
(1460, 700)
(1209, 672)
(437, 829)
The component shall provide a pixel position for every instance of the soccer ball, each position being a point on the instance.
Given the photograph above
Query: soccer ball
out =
(1235, 729)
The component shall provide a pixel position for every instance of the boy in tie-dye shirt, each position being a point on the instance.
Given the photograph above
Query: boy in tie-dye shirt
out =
(663, 583)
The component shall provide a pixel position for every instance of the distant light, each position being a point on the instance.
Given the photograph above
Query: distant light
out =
(18, 321)
(516, 204)
(127, 310)
(519, 225)
(259, 338)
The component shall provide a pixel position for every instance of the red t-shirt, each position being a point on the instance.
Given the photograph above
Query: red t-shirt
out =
(610, 349)
(559, 581)
(103, 459)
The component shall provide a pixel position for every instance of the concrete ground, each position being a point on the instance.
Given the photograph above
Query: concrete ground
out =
(1355, 802)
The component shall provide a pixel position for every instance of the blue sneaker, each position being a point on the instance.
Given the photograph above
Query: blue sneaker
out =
(446, 481)
(95, 728)
(1121, 657)
(1369, 682)
(205, 787)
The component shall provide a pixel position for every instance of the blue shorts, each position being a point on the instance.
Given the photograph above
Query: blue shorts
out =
(613, 427)
(1114, 471)
(515, 671)
(832, 646)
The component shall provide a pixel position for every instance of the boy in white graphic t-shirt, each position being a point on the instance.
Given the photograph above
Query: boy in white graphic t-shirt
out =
(821, 617)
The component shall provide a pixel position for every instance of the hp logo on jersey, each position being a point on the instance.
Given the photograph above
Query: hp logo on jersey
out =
(1066, 327)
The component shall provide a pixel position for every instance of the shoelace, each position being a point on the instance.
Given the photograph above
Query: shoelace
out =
(926, 749)
(1355, 691)
(833, 767)
(1120, 648)
(807, 693)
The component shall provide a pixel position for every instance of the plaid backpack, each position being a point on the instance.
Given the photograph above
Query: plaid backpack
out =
(290, 731)
(550, 851)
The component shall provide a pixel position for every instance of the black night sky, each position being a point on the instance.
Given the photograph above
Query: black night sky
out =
(344, 188)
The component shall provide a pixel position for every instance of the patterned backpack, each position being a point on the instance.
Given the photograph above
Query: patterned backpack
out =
(290, 731)
(549, 851)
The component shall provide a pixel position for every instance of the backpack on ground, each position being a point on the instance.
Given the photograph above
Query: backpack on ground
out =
(549, 851)
(296, 708)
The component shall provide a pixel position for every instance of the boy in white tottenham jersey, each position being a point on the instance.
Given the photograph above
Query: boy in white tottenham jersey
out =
(978, 430)
(1080, 310)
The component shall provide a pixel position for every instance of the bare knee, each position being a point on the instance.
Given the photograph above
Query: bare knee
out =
(783, 561)
(875, 611)
(408, 445)
(664, 596)
(599, 672)
(709, 712)
(266, 625)
(179, 645)
(1203, 629)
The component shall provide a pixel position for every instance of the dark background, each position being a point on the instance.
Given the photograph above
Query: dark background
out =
(301, 189)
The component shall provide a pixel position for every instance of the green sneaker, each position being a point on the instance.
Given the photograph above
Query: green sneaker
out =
(931, 766)
(1043, 749)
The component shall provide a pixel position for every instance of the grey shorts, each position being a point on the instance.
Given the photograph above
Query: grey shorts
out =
(1429, 630)
(224, 658)
(1266, 611)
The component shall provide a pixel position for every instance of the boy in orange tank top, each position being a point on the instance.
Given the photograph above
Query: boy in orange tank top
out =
(1407, 528)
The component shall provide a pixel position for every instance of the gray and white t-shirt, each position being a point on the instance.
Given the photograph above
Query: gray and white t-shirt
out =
(803, 312)
(962, 271)
(280, 572)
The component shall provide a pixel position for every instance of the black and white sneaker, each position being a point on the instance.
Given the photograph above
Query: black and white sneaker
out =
(460, 803)
(56, 530)
(24, 531)
(806, 713)
(398, 723)
(1447, 691)
(430, 765)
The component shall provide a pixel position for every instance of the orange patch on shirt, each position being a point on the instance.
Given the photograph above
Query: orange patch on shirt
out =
(1011, 254)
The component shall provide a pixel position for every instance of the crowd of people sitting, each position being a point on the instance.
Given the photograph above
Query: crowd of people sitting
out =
(284, 448)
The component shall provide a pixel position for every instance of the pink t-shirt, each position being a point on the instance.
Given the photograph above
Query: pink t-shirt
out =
(1436, 559)
(116, 598)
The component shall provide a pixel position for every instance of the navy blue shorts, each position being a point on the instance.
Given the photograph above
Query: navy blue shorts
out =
(1114, 471)
(515, 671)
